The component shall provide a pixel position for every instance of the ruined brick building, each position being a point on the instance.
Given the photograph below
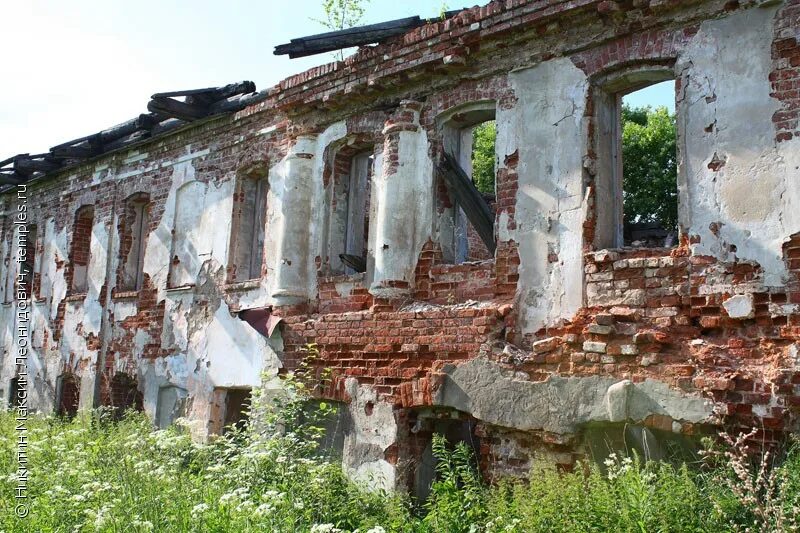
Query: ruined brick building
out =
(173, 269)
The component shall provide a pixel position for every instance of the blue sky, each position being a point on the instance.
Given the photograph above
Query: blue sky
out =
(655, 95)
(74, 68)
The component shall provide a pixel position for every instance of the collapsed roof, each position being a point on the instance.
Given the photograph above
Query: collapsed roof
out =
(170, 110)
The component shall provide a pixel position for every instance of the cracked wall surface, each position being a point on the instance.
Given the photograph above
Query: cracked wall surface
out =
(528, 352)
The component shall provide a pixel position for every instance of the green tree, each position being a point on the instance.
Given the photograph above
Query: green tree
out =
(342, 14)
(483, 139)
(650, 170)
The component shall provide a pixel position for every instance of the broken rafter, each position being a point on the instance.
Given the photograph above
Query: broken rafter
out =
(95, 144)
(358, 36)
(213, 93)
(469, 199)
(170, 108)
(357, 263)
(166, 114)
(11, 178)
(27, 165)
(199, 103)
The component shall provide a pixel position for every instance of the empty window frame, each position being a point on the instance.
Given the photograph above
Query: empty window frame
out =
(469, 136)
(237, 409)
(14, 396)
(133, 228)
(248, 226)
(350, 209)
(636, 195)
(68, 387)
(81, 249)
(357, 228)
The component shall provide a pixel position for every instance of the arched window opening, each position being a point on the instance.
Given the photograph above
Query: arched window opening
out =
(467, 227)
(636, 192)
(133, 228)
(81, 250)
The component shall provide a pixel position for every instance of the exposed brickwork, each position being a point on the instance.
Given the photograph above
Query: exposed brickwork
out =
(786, 76)
(648, 313)
(120, 392)
(394, 351)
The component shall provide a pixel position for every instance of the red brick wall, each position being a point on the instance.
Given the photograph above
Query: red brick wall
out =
(399, 347)
(785, 77)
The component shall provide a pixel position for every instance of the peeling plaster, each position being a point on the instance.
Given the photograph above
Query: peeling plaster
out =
(550, 105)
(748, 195)
(372, 434)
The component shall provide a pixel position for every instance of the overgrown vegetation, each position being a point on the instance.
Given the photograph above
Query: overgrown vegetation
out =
(340, 15)
(97, 474)
(650, 167)
(483, 171)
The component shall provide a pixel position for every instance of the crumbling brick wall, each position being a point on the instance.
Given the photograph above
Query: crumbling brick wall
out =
(532, 347)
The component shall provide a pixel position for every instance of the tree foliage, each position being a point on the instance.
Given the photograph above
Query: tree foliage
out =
(650, 168)
(342, 14)
(649, 156)
(483, 139)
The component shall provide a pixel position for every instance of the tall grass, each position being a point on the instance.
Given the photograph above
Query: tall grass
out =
(97, 474)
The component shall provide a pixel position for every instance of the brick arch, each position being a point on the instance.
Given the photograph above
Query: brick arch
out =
(254, 156)
(651, 47)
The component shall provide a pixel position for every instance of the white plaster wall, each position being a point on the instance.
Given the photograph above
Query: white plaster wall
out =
(370, 436)
(550, 211)
(754, 196)
(291, 210)
(403, 211)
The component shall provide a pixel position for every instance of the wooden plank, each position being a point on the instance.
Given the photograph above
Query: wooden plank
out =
(9, 160)
(357, 263)
(469, 198)
(11, 178)
(78, 151)
(356, 36)
(134, 137)
(27, 166)
(216, 93)
(166, 126)
(175, 109)
(165, 114)
(236, 103)
(147, 121)
(187, 92)
(335, 40)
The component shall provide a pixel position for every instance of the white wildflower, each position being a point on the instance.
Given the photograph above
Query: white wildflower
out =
(199, 509)
(324, 528)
